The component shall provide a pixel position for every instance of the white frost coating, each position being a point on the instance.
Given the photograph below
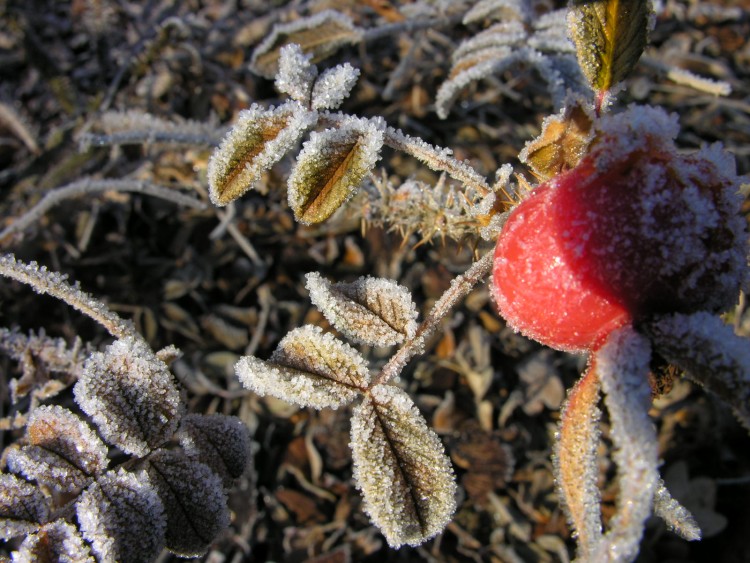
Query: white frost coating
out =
(373, 311)
(296, 73)
(122, 517)
(497, 10)
(130, 395)
(246, 151)
(498, 36)
(22, 507)
(401, 468)
(707, 348)
(63, 452)
(334, 86)
(309, 368)
(622, 365)
(677, 517)
(58, 540)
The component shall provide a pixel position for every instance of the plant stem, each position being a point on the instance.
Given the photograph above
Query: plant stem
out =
(459, 289)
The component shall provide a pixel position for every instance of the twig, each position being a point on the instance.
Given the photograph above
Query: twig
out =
(459, 289)
(88, 186)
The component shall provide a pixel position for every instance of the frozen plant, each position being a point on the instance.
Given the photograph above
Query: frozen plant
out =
(65, 495)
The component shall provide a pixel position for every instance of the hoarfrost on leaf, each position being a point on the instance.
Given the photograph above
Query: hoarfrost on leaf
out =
(497, 10)
(373, 311)
(333, 86)
(319, 36)
(130, 395)
(62, 452)
(677, 517)
(221, 442)
(400, 466)
(56, 542)
(331, 166)
(257, 141)
(122, 517)
(193, 499)
(296, 74)
(23, 507)
(308, 368)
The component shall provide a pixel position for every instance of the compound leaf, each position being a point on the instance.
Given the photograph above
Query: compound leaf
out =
(373, 311)
(308, 368)
(63, 452)
(609, 36)
(193, 499)
(257, 141)
(399, 465)
(331, 167)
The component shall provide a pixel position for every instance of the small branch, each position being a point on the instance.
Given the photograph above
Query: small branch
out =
(459, 289)
(55, 284)
(146, 137)
(88, 186)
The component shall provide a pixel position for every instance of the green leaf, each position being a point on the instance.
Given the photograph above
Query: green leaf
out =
(609, 36)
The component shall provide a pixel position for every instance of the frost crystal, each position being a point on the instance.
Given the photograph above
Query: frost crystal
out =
(334, 86)
(22, 507)
(193, 499)
(296, 73)
(122, 517)
(372, 311)
(400, 467)
(57, 541)
(63, 452)
(130, 395)
(308, 368)
(221, 442)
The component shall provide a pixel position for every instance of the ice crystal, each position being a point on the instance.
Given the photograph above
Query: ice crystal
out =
(63, 452)
(130, 395)
(400, 466)
(369, 310)
(308, 368)
(194, 502)
(122, 517)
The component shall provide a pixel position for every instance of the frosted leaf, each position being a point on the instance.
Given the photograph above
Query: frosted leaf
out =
(63, 452)
(56, 542)
(122, 517)
(257, 141)
(622, 365)
(296, 73)
(23, 507)
(130, 395)
(333, 86)
(332, 165)
(710, 353)
(501, 35)
(564, 139)
(319, 36)
(497, 10)
(678, 518)
(373, 311)
(399, 465)
(193, 499)
(308, 368)
(221, 442)
(609, 36)
(575, 463)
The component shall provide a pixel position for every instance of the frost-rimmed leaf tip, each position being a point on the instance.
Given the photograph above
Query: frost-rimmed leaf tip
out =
(23, 507)
(308, 368)
(257, 141)
(332, 165)
(373, 311)
(400, 466)
(56, 541)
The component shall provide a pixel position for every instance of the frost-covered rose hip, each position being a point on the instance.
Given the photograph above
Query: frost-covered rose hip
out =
(635, 229)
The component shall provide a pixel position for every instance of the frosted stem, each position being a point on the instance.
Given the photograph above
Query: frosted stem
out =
(459, 289)
(88, 186)
(53, 283)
